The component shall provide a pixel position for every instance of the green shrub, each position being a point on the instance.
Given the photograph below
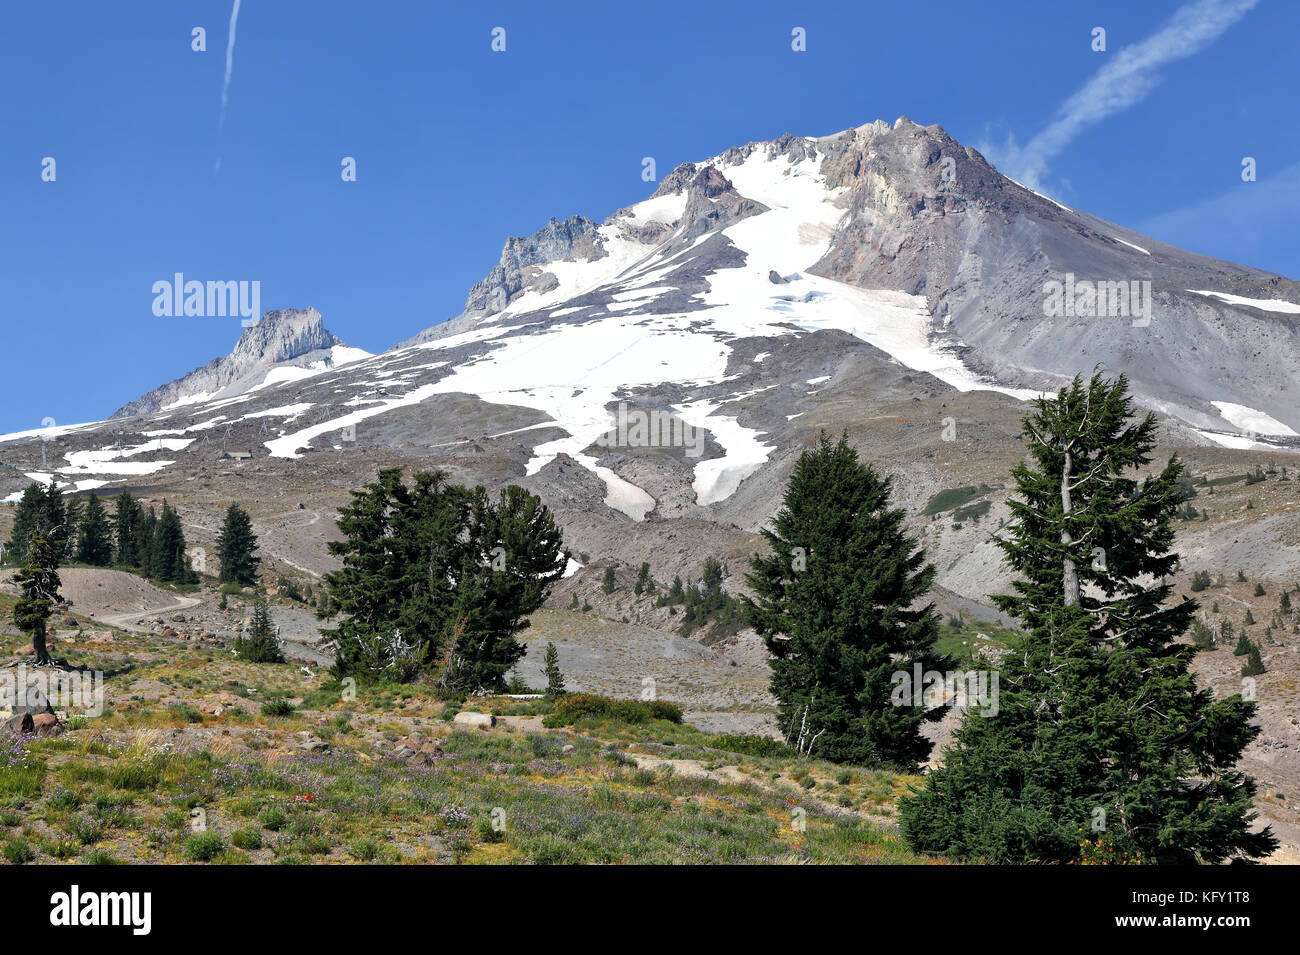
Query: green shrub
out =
(363, 850)
(579, 706)
(277, 708)
(202, 846)
(246, 838)
(17, 851)
(749, 745)
(273, 818)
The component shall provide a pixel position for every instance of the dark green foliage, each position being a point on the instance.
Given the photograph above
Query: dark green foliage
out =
(1243, 645)
(40, 510)
(954, 497)
(1099, 710)
(95, 540)
(168, 561)
(1254, 664)
(1202, 636)
(838, 600)
(1200, 581)
(129, 550)
(609, 582)
(277, 708)
(38, 584)
(1249, 619)
(261, 645)
(1259, 590)
(237, 547)
(750, 745)
(643, 582)
(579, 706)
(439, 578)
(705, 605)
(554, 678)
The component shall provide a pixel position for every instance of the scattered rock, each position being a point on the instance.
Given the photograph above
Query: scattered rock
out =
(472, 720)
(20, 724)
(46, 725)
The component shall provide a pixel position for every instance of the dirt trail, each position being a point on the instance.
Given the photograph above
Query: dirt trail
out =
(123, 619)
(694, 769)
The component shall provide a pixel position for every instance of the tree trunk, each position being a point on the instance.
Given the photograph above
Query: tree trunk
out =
(1071, 572)
(38, 645)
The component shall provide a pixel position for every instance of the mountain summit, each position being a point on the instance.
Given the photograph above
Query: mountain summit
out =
(754, 298)
(284, 345)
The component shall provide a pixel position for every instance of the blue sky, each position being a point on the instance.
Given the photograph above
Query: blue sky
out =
(458, 147)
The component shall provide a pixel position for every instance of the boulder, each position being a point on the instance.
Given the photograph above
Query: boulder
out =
(46, 724)
(20, 724)
(474, 720)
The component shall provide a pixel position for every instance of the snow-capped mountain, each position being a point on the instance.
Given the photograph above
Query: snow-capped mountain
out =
(286, 345)
(756, 296)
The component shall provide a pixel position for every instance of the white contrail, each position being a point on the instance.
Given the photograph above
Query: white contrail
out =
(1127, 77)
(230, 61)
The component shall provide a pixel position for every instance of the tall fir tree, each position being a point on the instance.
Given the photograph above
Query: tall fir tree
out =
(126, 523)
(38, 583)
(1101, 728)
(41, 511)
(515, 556)
(237, 547)
(168, 560)
(95, 539)
(438, 577)
(73, 517)
(838, 599)
(146, 527)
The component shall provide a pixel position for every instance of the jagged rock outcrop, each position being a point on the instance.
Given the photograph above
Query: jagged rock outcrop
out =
(291, 336)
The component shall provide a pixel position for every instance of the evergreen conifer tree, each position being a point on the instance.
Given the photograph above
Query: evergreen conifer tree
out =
(839, 602)
(1100, 716)
(95, 538)
(554, 678)
(38, 583)
(236, 548)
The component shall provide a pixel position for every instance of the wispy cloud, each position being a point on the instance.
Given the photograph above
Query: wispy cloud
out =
(1125, 79)
(230, 61)
(1246, 221)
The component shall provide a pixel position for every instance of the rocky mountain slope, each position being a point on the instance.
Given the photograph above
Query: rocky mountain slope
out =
(284, 345)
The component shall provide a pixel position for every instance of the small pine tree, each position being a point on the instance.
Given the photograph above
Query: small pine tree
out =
(554, 678)
(261, 645)
(1254, 664)
(1243, 645)
(38, 583)
(1202, 636)
(1259, 590)
(609, 582)
(642, 579)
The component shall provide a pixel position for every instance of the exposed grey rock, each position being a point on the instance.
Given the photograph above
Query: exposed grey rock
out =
(289, 336)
